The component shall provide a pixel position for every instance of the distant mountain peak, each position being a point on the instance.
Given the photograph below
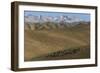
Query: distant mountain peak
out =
(56, 19)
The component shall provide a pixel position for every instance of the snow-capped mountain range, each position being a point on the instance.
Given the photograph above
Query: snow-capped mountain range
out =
(49, 22)
(57, 19)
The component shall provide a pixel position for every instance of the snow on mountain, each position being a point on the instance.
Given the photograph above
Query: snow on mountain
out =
(62, 18)
(49, 22)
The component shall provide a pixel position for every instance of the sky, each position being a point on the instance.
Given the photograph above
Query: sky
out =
(82, 16)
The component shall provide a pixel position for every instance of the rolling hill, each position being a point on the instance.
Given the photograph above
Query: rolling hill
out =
(47, 39)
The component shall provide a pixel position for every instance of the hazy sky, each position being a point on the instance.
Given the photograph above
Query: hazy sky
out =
(82, 16)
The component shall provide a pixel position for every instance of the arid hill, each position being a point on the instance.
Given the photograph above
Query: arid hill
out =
(43, 40)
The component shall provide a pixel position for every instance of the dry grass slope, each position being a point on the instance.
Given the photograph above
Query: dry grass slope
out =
(41, 44)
